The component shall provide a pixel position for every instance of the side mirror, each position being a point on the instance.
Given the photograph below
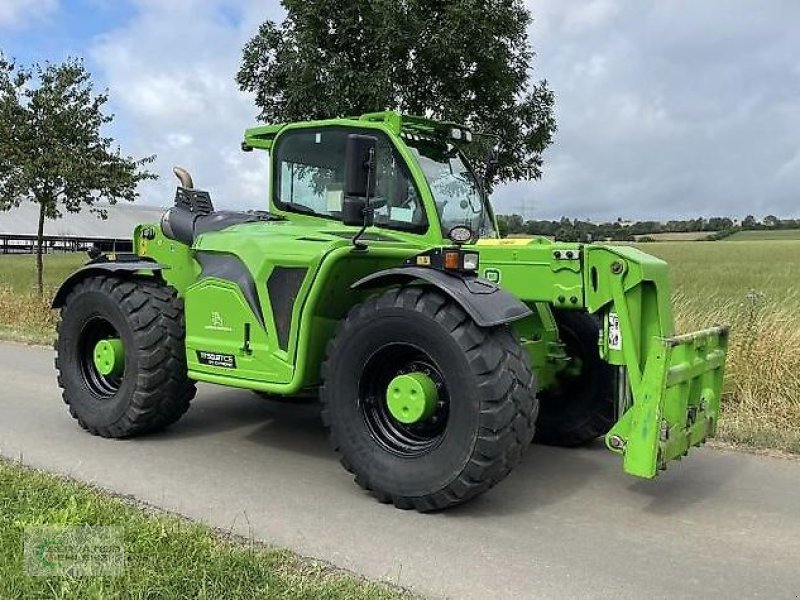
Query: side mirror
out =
(353, 210)
(359, 174)
(359, 183)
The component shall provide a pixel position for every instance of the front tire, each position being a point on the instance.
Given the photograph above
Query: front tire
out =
(148, 388)
(474, 432)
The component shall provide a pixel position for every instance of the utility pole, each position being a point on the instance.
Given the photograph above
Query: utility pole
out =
(521, 209)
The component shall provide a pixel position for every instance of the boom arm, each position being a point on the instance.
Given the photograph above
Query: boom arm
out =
(674, 381)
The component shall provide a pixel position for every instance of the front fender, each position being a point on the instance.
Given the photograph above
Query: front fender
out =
(125, 263)
(485, 302)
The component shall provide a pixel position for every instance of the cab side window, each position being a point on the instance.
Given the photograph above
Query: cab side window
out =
(310, 167)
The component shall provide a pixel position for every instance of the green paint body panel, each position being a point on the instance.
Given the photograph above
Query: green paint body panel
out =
(675, 382)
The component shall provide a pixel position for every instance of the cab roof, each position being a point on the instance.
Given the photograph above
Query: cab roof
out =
(262, 136)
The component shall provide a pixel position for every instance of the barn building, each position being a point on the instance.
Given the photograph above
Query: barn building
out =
(74, 231)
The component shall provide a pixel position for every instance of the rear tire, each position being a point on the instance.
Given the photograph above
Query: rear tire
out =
(483, 420)
(582, 408)
(152, 390)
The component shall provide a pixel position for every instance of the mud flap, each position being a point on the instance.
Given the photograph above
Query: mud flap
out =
(676, 405)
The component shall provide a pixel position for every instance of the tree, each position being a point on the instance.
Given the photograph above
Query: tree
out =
(771, 221)
(466, 61)
(719, 223)
(509, 224)
(52, 151)
(749, 222)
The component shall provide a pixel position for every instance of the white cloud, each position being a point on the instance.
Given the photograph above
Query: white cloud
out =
(179, 140)
(667, 109)
(17, 13)
(170, 71)
(575, 17)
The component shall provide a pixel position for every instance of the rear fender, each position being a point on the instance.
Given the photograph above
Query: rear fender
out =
(485, 302)
(127, 264)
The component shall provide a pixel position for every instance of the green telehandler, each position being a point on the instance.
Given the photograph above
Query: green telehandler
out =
(378, 283)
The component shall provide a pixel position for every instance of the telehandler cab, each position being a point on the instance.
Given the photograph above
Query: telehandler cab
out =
(377, 281)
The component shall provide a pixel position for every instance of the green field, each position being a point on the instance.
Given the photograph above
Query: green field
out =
(755, 235)
(18, 271)
(752, 285)
(165, 557)
(677, 236)
(716, 273)
(755, 287)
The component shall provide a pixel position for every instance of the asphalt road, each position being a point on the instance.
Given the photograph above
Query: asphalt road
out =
(564, 524)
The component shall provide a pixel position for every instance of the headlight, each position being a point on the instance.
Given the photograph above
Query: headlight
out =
(446, 259)
(470, 261)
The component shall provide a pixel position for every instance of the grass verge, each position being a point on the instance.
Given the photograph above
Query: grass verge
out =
(761, 402)
(754, 286)
(165, 556)
(24, 317)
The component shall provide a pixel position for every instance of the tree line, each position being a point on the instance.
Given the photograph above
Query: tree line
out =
(576, 230)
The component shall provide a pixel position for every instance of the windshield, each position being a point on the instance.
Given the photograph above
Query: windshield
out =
(459, 198)
(310, 168)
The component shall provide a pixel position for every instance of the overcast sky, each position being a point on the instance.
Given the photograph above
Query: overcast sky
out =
(665, 108)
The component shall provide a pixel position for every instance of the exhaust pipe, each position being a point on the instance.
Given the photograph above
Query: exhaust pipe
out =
(184, 177)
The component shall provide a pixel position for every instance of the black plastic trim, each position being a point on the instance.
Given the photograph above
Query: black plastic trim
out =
(283, 284)
(230, 267)
(485, 302)
(123, 263)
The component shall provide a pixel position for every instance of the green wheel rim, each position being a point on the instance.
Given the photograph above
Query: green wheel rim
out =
(411, 397)
(109, 357)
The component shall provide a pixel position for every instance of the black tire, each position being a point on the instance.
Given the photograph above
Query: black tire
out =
(483, 422)
(153, 391)
(582, 407)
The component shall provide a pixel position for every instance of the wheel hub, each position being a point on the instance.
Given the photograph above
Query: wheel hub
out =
(109, 357)
(412, 397)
